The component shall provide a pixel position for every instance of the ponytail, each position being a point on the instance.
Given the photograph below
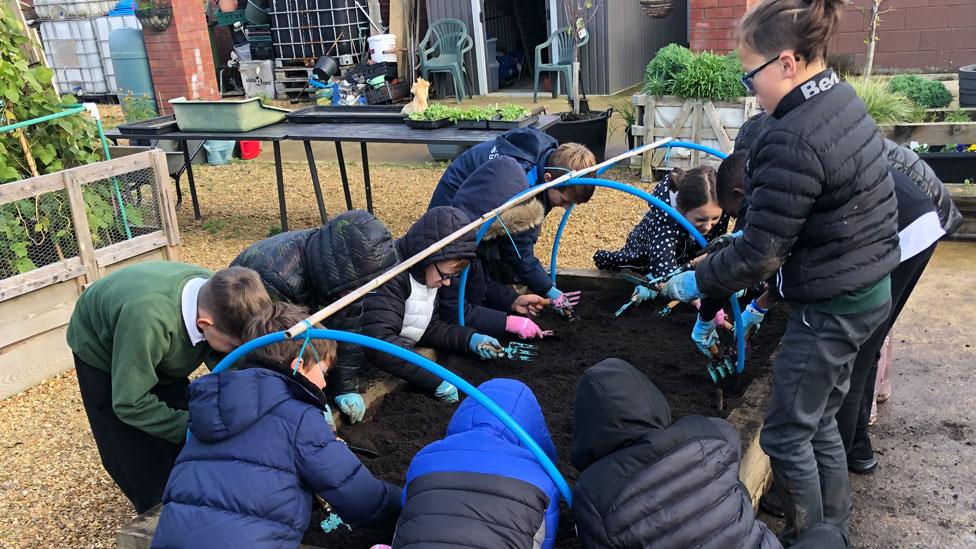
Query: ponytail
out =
(804, 26)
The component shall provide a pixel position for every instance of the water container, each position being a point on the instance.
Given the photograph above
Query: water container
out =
(250, 149)
(72, 51)
(381, 43)
(131, 63)
(72, 9)
(219, 152)
(103, 28)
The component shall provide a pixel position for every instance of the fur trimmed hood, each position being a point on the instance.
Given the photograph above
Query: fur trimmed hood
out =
(493, 184)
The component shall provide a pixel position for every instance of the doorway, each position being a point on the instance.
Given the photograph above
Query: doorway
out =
(506, 33)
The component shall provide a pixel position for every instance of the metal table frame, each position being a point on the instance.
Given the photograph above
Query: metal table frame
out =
(336, 133)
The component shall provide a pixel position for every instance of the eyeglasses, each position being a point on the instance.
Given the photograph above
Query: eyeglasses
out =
(443, 276)
(748, 77)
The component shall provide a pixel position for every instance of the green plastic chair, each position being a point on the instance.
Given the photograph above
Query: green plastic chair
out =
(450, 42)
(562, 64)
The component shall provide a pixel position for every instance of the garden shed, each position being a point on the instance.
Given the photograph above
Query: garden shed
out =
(622, 38)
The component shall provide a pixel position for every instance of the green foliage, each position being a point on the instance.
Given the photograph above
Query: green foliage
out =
(928, 94)
(660, 72)
(435, 111)
(675, 70)
(138, 107)
(511, 113)
(883, 104)
(477, 113)
(957, 117)
(38, 231)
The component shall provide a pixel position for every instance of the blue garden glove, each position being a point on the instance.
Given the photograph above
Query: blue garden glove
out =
(486, 347)
(705, 336)
(446, 392)
(642, 293)
(353, 405)
(752, 317)
(722, 242)
(327, 412)
(682, 287)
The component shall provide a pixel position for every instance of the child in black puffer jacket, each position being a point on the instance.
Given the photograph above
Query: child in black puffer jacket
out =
(821, 227)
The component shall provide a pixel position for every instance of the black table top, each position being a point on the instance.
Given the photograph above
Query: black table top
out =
(367, 133)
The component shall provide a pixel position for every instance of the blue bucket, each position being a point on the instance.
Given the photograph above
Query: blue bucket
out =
(219, 152)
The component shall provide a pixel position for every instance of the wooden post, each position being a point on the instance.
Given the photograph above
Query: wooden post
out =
(79, 219)
(696, 130)
(650, 105)
(167, 211)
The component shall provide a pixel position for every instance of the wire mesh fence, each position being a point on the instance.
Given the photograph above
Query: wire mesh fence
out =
(35, 232)
(122, 207)
(38, 230)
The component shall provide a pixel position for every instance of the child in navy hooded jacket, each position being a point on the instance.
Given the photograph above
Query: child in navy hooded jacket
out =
(260, 448)
(542, 159)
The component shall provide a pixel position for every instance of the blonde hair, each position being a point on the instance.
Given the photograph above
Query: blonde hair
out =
(233, 296)
(573, 156)
(279, 317)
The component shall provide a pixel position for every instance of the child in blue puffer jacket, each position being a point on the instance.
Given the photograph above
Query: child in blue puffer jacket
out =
(260, 448)
(480, 486)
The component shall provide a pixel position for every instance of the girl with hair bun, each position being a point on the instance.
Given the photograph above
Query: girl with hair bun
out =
(821, 229)
(657, 245)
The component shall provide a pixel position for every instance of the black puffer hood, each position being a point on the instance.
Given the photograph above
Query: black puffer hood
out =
(615, 407)
(351, 249)
(432, 226)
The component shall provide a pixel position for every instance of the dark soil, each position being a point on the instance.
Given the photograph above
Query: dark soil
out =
(661, 348)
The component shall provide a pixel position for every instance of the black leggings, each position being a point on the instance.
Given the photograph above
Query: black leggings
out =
(138, 462)
(853, 416)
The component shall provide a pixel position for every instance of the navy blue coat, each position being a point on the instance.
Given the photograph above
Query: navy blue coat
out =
(530, 149)
(488, 301)
(260, 448)
(494, 491)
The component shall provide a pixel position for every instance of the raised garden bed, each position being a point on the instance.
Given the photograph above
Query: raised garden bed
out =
(711, 123)
(934, 133)
(63, 231)
(661, 348)
(407, 421)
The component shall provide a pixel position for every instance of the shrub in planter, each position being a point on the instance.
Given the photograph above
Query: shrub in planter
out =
(928, 94)
(883, 104)
(675, 70)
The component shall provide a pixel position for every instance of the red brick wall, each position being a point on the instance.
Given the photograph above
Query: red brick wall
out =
(180, 58)
(927, 35)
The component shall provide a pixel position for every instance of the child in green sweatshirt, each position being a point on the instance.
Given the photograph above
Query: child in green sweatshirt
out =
(136, 335)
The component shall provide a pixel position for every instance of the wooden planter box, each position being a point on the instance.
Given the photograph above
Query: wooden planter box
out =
(38, 293)
(711, 123)
(747, 418)
(933, 133)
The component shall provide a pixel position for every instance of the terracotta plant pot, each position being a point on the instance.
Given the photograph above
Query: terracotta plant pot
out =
(155, 19)
(227, 6)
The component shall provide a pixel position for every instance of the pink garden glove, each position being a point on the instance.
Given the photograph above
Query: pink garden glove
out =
(522, 327)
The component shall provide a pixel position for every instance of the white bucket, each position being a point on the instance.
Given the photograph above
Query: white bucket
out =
(382, 43)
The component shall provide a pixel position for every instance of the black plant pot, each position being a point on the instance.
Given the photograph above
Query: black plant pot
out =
(155, 19)
(967, 86)
(955, 167)
(630, 140)
(589, 128)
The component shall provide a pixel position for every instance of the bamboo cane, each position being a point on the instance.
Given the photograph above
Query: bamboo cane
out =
(335, 307)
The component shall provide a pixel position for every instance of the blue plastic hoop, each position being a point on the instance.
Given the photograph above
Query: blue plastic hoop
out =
(430, 366)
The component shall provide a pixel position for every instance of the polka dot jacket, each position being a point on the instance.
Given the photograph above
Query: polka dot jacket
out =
(658, 244)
